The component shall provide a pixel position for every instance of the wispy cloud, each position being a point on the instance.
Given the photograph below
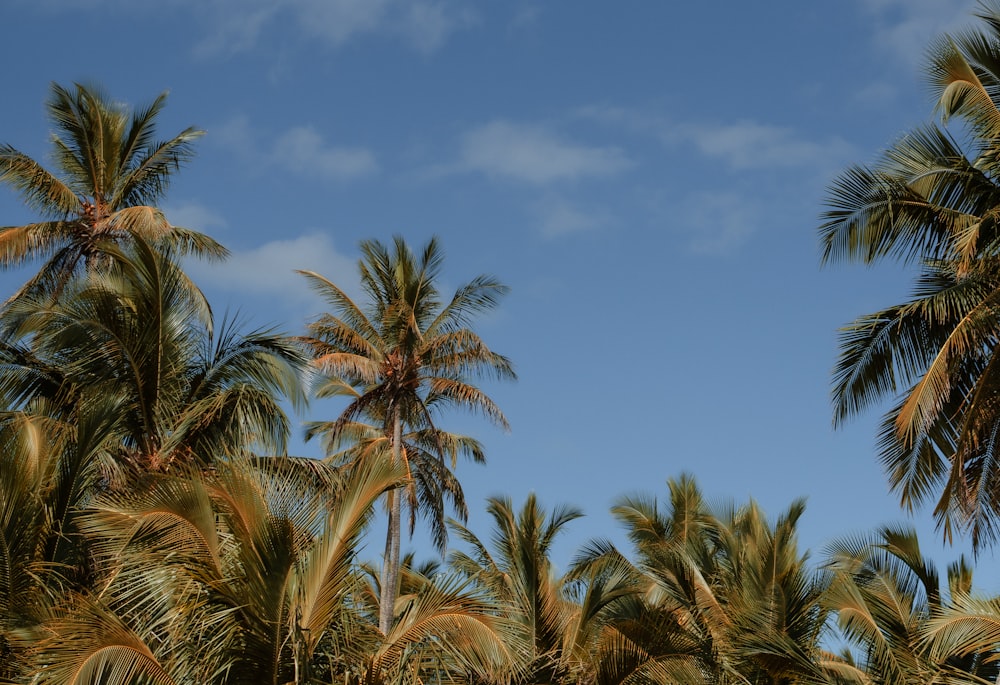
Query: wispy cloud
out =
(230, 27)
(194, 216)
(300, 149)
(717, 223)
(428, 25)
(740, 145)
(907, 27)
(270, 270)
(558, 217)
(752, 145)
(239, 25)
(534, 154)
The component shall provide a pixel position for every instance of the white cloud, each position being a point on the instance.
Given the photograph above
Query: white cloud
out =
(234, 32)
(270, 270)
(337, 21)
(559, 217)
(239, 25)
(751, 145)
(236, 26)
(535, 155)
(236, 134)
(907, 27)
(194, 216)
(740, 145)
(717, 223)
(427, 25)
(300, 149)
(303, 150)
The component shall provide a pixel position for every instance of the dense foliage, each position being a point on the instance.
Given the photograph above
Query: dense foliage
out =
(153, 530)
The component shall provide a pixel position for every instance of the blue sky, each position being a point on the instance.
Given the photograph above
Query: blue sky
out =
(646, 176)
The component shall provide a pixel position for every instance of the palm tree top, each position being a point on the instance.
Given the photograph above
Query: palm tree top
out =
(106, 152)
(110, 171)
(406, 344)
(404, 355)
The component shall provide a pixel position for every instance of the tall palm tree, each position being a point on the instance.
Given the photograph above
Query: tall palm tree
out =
(429, 455)
(403, 356)
(932, 202)
(110, 173)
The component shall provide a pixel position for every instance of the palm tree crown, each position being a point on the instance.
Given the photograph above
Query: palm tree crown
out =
(111, 173)
(933, 202)
(402, 358)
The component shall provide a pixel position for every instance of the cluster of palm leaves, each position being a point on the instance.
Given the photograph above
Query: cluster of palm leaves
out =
(933, 202)
(154, 530)
(151, 528)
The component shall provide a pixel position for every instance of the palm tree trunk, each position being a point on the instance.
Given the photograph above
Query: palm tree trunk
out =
(390, 562)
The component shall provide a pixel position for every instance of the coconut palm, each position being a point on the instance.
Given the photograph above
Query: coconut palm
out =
(240, 574)
(933, 202)
(137, 332)
(520, 576)
(403, 356)
(245, 574)
(447, 629)
(110, 173)
(723, 596)
(890, 604)
(49, 472)
(965, 635)
(431, 484)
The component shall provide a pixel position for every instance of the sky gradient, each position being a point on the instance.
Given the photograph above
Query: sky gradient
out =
(647, 177)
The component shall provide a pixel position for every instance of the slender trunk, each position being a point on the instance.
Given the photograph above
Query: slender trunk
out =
(390, 562)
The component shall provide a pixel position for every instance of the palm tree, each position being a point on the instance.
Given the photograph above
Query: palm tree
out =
(238, 574)
(890, 603)
(722, 595)
(111, 172)
(246, 574)
(929, 201)
(136, 333)
(402, 357)
(447, 629)
(431, 482)
(520, 577)
(122, 376)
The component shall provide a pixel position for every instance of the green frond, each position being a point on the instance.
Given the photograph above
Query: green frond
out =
(91, 644)
(962, 92)
(41, 191)
(19, 244)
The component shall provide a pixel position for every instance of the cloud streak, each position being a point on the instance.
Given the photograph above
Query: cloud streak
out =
(270, 270)
(718, 223)
(740, 145)
(535, 155)
(751, 145)
(559, 217)
(238, 26)
(301, 150)
(425, 25)
(907, 27)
